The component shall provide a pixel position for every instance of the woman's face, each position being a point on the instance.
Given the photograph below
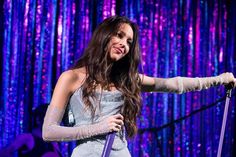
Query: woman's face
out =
(120, 44)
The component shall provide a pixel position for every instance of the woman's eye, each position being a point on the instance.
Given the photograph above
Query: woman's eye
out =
(119, 35)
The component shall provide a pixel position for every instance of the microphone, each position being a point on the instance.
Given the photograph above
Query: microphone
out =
(108, 144)
(229, 88)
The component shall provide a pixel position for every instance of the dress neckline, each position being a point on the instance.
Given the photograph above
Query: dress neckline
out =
(98, 92)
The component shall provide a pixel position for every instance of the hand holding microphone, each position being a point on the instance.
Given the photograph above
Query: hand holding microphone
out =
(228, 80)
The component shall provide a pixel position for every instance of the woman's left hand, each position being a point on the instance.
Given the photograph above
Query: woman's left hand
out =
(228, 79)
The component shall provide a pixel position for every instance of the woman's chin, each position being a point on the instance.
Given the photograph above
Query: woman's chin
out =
(115, 58)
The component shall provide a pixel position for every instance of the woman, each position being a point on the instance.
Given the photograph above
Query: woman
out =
(102, 91)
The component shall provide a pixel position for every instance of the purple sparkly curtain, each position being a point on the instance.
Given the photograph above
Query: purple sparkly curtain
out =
(194, 38)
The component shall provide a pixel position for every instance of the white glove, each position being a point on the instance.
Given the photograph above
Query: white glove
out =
(186, 84)
(52, 131)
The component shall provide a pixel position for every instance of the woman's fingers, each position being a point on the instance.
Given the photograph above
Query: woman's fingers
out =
(116, 122)
(231, 80)
(228, 79)
(119, 116)
(115, 127)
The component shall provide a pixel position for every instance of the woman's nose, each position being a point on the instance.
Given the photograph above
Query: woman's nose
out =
(122, 43)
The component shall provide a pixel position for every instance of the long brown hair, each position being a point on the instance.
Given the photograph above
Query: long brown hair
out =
(122, 73)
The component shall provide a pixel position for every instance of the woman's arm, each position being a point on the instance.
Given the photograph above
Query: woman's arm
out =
(52, 131)
(184, 84)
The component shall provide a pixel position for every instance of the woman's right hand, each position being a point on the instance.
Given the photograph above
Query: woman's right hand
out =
(113, 123)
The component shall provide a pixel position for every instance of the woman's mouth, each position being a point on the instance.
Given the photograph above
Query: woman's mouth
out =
(118, 50)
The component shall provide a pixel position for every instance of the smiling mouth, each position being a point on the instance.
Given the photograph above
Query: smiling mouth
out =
(119, 50)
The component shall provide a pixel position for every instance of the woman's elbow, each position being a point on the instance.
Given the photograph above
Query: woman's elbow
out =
(46, 135)
(173, 86)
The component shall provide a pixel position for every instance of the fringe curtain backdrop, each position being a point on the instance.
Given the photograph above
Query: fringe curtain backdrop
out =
(193, 38)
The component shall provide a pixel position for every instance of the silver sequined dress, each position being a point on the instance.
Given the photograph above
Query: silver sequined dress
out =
(110, 104)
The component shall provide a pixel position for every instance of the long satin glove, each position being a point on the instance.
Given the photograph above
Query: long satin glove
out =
(52, 131)
(185, 84)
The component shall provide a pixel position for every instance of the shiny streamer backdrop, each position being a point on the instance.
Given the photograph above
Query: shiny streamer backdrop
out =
(194, 38)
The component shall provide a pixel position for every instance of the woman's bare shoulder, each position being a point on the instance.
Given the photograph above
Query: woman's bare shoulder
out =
(74, 77)
(68, 82)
